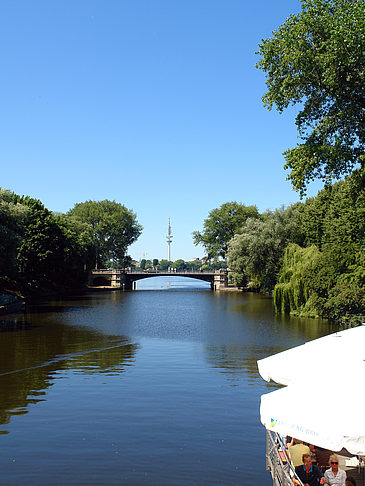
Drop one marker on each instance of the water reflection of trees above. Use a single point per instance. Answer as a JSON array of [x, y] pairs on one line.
[[237, 360], [30, 356]]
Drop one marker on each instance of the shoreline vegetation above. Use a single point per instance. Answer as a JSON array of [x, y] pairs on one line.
[[309, 256]]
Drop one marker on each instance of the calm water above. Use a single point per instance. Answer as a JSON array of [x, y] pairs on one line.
[[153, 387]]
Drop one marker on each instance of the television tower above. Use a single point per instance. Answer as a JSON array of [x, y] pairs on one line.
[[168, 239]]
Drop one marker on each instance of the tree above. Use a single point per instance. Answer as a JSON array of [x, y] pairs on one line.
[[79, 254], [164, 264], [148, 264], [294, 293], [179, 264], [327, 279], [256, 253], [44, 252], [317, 59], [155, 262], [114, 228], [193, 265], [221, 225], [13, 216], [41, 252]]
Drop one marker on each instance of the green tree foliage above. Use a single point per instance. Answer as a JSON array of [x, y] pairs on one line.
[[293, 292], [336, 216], [13, 216], [179, 265], [42, 252], [331, 272], [164, 264], [255, 254], [221, 225], [195, 265], [317, 59], [53, 253], [345, 299], [79, 250], [311, 285], [155, 262], [114, 228], [148, 264]]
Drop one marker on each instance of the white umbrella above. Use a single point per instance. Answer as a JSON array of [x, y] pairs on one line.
[[331, 416], [343, 351]]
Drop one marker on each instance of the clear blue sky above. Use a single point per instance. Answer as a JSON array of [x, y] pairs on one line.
[[155, 104]]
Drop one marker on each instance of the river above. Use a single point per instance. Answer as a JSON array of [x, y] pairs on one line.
[[153, 387]]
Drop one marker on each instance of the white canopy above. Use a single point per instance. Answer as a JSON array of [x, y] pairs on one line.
[[344, 351], [331, 416], [324, 403]]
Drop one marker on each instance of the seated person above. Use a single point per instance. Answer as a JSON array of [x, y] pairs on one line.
[[350, 481], [334, 476], [308, 473], [296, 452]]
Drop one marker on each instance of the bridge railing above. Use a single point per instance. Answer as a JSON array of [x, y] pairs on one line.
[[104, 271]]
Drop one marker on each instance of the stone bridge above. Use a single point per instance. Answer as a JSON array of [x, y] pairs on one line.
[[126, 279]]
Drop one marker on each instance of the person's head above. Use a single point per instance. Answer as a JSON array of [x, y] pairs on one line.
[[333, 461], [307, 460]]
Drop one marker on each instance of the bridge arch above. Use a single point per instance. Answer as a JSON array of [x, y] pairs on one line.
[[172, 278]]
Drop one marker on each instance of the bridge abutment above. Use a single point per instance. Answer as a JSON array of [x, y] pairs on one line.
[[220, 281]]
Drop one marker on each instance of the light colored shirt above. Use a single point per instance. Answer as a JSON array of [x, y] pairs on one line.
[[296, 451], [338, 480]]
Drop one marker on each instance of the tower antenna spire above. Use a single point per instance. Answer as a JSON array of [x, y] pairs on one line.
[[169, 240]]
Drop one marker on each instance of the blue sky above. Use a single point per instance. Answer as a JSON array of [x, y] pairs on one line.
[[155, 104]]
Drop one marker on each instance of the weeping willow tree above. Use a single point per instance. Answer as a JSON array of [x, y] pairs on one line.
[[292, 295]]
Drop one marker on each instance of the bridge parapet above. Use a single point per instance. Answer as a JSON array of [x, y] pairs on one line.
[[126, 278]]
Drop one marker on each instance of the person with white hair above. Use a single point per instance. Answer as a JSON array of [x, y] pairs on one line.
[[335, 476]]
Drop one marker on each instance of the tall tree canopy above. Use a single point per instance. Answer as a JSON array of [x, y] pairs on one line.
[[13, 218], [221, 225], [328, 277], [317, 59], [114, 228], [40, 251], [255, 254]]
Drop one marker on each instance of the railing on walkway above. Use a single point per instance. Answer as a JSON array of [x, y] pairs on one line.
[[277, 461]]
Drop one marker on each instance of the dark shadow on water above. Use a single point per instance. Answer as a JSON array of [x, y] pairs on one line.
[[54, 309], [35, 349], [15, 325]]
